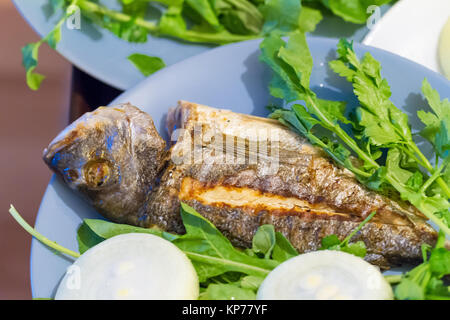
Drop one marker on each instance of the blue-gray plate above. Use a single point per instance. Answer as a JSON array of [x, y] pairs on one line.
[[229, 77]]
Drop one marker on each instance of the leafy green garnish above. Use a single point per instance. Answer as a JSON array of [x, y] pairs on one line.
[[281, 16], [309, 18], [376, 127], [202, 21], [425, 281], [40, 237], [145, 64], [30, 52], [264, 240], [354, 10], [358, 248], [222, 269], [437, 123]]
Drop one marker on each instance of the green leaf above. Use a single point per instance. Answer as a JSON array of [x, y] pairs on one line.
[[354, 10], [239, 16], [409, 290], [29, 61], [87, 238], [264, 240], [147, 65], [393, 161], [251, 282], [437, 124], [436, 290], [281, 16], [440, 262], [227, 292], [283, 249], [330, 241], [54, 37], [171, 22], [128, 31], [106, 229], [285, 82], [296, 54], [212, 253], [357, 248], [309, 18], [204, 9]]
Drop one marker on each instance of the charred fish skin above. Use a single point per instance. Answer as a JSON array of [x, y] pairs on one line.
[[305, 196], [112, 156], [307, 199]]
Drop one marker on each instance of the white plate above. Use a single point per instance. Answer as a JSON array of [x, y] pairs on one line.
[[411, 29], [229, 77]]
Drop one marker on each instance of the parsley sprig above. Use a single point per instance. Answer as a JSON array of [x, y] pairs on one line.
[[380, 136]]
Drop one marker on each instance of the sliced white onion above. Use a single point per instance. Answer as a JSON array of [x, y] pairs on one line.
[[325, 275], [444, 49], [131, 266]]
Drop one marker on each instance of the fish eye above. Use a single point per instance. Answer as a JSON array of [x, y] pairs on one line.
[[97, 172]]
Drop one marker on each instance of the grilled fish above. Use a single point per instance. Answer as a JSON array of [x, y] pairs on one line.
[[238, 171]]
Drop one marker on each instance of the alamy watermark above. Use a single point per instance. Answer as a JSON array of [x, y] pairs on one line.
[[204, 144], [73, 20]]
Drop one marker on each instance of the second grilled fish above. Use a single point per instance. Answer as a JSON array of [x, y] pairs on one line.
[[238, 171]]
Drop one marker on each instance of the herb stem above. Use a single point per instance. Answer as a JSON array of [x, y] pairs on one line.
[[39, 236], [116, 15], [431, 179], [430, 168], [350, 236], [393, 279], [153, 28], [365, 157], [241, 267]]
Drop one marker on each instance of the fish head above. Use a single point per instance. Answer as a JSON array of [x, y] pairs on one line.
[[113, 156]]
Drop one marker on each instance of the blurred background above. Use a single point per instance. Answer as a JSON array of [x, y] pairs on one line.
[[28, 122]]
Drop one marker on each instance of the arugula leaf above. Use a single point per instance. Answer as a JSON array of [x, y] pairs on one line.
[[264, 240], [281, 16], [251, 282], [239, 16], [354, 10], [212, 253], [205, 10], [86, 238], [283, 249], [309, 18], [147, 65], [225, 291]]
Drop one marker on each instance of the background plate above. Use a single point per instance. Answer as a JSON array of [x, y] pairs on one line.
[[229, 77], [102, 55], [411, 29]]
